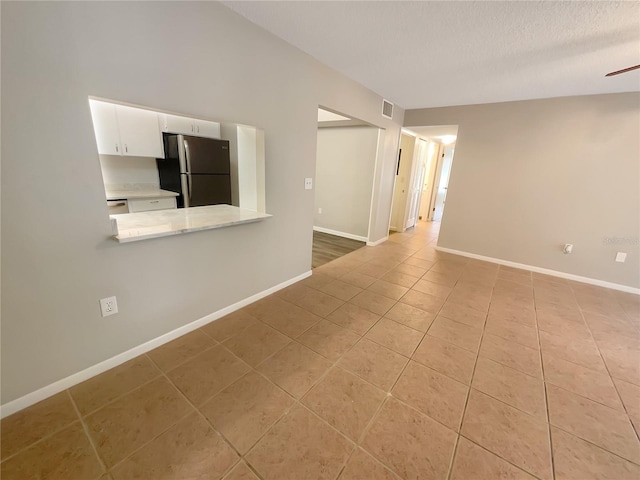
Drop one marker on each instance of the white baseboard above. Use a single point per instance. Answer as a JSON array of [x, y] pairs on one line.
[[340, 234], [68, 382], [546, 271], [378, 242]]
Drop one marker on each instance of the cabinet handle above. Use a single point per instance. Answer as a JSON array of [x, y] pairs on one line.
[[191, 128], [198, 128], [154, 201], [126, 148], [117, 148]]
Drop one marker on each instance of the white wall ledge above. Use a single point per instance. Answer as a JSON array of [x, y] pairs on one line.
[[132, 227]]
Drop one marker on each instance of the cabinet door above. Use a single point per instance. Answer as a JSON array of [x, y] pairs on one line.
[[105, 126], [139, 132], [207, 129], [177, 124]]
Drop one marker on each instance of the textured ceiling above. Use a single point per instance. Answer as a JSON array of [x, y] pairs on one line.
[[427, 54]]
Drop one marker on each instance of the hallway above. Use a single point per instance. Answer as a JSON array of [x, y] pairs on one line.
[[395, 361]]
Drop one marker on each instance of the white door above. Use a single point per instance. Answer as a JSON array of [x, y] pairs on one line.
[[416, 183], [402, 183], [428, 182], [443, 183]]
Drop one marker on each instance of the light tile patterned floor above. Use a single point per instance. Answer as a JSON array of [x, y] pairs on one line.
[[391, 362]]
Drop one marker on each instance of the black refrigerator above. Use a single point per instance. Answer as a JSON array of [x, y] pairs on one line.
[[197, 168]]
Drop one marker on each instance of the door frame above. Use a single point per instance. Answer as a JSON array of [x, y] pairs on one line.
[[418, 171]]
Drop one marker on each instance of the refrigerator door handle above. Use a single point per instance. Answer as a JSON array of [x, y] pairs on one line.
[[185, 181], [186, 151], [181, 154]]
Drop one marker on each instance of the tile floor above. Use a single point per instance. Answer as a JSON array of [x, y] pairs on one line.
[[391, 362]]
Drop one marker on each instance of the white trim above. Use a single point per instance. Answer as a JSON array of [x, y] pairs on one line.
[[378, 242], [340, 234], [68, 382], [375, 181], [546, 271]]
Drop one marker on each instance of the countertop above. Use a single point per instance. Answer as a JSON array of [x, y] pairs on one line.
[[121, 192], [131, 227]]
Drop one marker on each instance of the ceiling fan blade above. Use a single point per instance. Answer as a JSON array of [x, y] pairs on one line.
[[624, 70]]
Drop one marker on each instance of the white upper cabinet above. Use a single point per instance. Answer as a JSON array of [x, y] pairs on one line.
[[176, 124], [139, 132], [204, 128], [189, 126], [105, 125], [128, 131]]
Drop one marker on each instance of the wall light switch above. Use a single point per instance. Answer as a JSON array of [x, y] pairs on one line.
[[320, 210], [308, 183], [621, 257]]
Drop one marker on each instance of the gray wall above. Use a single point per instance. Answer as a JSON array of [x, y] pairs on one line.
[[196, 58], [530, 176], [345, 165]]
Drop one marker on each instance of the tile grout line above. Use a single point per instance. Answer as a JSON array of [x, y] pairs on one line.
[[164, 375], [85, 428], [298, 401], [80, 415], [589, 399], [388, 394], [40, 440], [368, 428], [423, 336], [197, 410], [466, 402], [501, 458], [636, 463], [333, 366], [633, 428], [544, 388]]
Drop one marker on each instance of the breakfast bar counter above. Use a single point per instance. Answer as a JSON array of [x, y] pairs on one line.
[[132, 227]]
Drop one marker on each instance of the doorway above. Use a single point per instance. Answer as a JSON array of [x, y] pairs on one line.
[[428, 183], [346, 156], [417, 179], [418, 175], [402, 182], [442, 183]]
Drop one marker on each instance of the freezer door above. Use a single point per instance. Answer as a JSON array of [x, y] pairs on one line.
[[206, 155], [206, 190]]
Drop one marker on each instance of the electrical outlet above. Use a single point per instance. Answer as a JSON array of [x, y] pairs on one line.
[[319, 210], [621, 257], [108, 306], [308, 183]]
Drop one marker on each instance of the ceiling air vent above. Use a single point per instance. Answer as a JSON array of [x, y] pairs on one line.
[[387, 109]]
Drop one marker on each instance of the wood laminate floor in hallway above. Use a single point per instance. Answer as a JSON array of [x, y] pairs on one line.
[[327, 248], [391, 362]]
